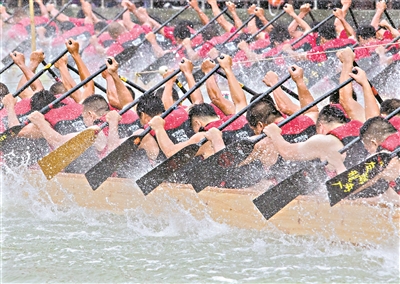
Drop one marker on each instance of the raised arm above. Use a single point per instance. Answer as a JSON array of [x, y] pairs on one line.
[[167, 98], [195, 6], [214, 92], [67, 79], [232, 9], [166, 145], [305, 96], [290, 11], [124, 96], [157, 49], [43, 9], [126, 17], [186, 67], [111, 90], [19, 60], [113, 140], [283, 102], [191, 53], [73, 48], [237, 94], [392, 30], [304, 10], [251, 26], [371, 105], [227, 26], [340, 15], [380, 9], [353, 109], [9, 104]]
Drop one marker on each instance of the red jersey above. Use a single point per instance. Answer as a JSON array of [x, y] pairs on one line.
[[125, 40], [320, 53]]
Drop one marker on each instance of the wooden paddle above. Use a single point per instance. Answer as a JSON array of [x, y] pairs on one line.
[[57, 160], [226, 163], [272, 201], [169, 57], [349, 181], [13, 131], [155, 177], [26, 43], [306, 180], [104, 169]]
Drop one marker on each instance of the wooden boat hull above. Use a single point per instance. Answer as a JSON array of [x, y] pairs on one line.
[[348, 221]]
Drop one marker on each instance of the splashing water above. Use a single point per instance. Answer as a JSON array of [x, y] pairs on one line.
[[43, 242]]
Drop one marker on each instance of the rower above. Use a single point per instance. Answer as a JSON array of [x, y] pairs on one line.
[[378, 134], [389, 106]]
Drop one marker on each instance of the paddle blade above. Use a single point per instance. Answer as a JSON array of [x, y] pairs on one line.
[[155, 177], [349, 181], [9, 134], [276, 198], [216, 166], [64, 155], [107, 166]]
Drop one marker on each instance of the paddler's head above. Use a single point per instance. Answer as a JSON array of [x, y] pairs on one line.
[[365, 33], [148, 107], [261, 114], [115, 30], [94, 107], [3, 91], [200, 115], [374, 131], [330, 117], [389, 106], [182, 31]]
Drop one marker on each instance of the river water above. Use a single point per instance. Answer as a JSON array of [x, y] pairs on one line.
[[43, 242]]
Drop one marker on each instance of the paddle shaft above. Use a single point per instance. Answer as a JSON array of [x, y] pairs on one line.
[[40, 73], [181, 99], [99, 15], [52, 73], [166, 23], [304, 109], [243, 110], [266, 26], [104, 29], [58, 13], [130, 83], [254, 93], [132, 104], [312, 30], [389, 19], [203, 28], [353, 17], [6, 67], [349, 145], [311, 16], [100, 87], [239, 29]]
